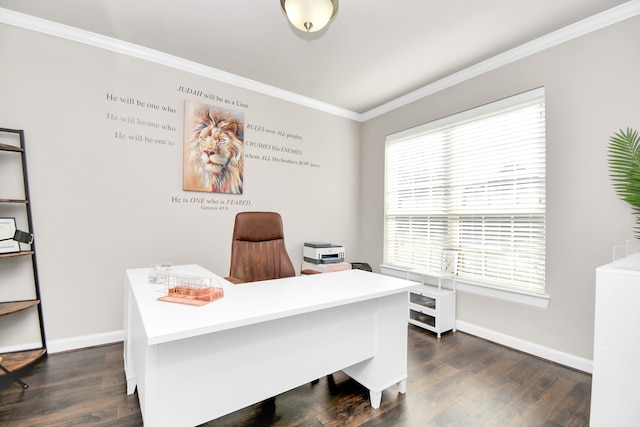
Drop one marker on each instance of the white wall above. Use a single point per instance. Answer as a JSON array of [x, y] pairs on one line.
[[102, 204], [592, 90]]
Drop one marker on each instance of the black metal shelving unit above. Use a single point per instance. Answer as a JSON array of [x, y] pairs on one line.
[[12, 362]]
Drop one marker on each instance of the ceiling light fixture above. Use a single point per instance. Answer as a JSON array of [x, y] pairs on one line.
[[309, 15]]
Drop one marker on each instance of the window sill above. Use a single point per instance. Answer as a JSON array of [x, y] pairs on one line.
[[521, 297]]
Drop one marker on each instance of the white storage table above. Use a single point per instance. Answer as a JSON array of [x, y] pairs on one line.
[[616, 373], [194, 364], [432, 304]]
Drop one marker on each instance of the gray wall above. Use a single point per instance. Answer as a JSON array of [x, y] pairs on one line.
[[120, 196], [102, 204], [592, 90]]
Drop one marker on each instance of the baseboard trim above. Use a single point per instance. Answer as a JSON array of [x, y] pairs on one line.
[[556, 356], [76, 343], [537, 350]]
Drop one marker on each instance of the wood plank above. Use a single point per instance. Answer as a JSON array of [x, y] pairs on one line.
[[13, 201], [20, 359], [16, 254], [15, 306], [7, 147], [457, 380]]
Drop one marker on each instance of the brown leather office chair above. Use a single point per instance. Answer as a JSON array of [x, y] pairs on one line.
[[257, 250]]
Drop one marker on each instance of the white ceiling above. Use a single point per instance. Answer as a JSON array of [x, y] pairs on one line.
[[371, 53]]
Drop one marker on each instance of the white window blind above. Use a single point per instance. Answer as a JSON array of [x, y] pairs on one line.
[[473, 183]]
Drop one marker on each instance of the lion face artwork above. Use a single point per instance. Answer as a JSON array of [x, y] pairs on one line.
[[214, 151]]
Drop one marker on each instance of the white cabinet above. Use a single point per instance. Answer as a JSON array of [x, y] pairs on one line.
[[432, 304], [616, 372]]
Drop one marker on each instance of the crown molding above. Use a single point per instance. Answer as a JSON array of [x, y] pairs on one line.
[[55, 29], [609, 17]]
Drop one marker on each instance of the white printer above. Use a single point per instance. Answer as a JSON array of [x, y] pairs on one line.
[[322, 253]]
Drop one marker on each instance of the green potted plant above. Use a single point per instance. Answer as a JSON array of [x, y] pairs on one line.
[[624, 167]]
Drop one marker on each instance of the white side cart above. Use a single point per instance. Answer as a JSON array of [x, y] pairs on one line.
[[432, 303]]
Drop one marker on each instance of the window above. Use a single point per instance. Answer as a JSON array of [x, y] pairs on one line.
[[474, 183]]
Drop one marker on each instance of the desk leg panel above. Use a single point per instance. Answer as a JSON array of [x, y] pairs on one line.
[[205, 377], [129, 370], [141, 365], [389, 367]]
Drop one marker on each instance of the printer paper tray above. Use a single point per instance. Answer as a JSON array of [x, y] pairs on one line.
[[324, 260]]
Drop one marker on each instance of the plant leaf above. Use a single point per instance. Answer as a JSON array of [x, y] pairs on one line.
[[624, 169]]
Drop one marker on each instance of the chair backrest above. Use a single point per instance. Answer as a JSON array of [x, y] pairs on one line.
[[258, 251]]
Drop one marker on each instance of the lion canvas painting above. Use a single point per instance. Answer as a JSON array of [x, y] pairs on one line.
[[213, 149]]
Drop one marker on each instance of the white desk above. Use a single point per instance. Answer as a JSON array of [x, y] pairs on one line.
[[193, 364]]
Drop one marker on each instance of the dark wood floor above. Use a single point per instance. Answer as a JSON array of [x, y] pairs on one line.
[[459, 380]]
